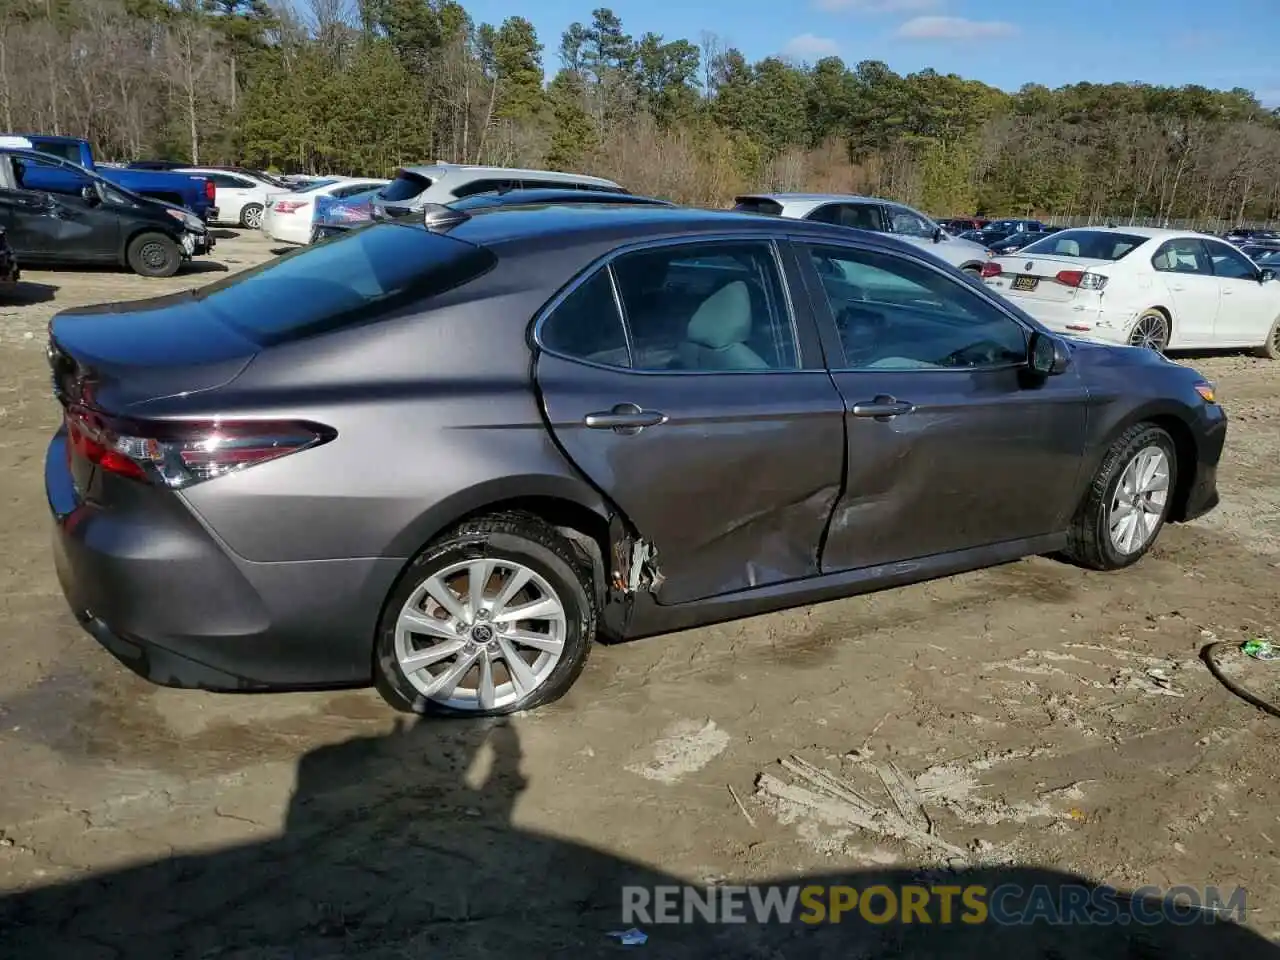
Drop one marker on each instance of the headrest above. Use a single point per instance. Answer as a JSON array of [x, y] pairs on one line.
[[724, 318]]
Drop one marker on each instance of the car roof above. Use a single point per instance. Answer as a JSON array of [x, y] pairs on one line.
[[440, 170], [1151, 233], [593, 223], [510, 198], [814, 198]]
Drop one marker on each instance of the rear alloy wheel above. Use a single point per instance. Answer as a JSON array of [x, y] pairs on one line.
[[1151, 331], [495, 617], [154, 255], [1270, 349], [251, 216], [1128, 501]]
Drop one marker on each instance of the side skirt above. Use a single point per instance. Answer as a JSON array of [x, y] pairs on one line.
[[649, 618]]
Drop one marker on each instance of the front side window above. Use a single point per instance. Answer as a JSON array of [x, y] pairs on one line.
[[706, 307], [895, 314], [909, 223], [1185, 255], [1230, 264]]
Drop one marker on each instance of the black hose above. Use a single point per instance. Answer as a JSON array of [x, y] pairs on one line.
[[1206, 654]]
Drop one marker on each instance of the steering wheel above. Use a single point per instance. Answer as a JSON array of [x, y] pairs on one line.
[[982, 353]]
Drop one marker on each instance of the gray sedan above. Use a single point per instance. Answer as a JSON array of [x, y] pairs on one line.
[[445, 461]]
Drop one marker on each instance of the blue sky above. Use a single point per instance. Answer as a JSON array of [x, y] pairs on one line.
[[1220, 43]]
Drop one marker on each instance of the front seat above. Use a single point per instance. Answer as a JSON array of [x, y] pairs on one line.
[[716, 338]]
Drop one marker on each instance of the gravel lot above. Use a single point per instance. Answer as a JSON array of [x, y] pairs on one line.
[[1053, 722]]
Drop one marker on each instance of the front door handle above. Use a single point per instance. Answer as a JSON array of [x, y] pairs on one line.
[[624, 418], [882, 408]]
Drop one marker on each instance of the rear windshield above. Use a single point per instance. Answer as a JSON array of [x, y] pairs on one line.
[[1087, 244], [758, 205], [355, 278], [405, 186]]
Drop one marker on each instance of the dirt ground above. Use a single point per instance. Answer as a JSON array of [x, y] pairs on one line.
[[1052, 723]]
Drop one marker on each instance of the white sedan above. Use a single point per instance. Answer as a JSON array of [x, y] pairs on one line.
[[1162, 289], [289, 214], [241, 198]]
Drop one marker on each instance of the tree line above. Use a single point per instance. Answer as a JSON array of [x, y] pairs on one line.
[[363, 86]]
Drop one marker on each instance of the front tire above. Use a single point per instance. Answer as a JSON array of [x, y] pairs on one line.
[[496, 616], [1128, 501], [153, 255], [1271, 349], [251, 216]]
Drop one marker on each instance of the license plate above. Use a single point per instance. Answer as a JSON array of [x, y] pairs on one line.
[[188, 244], [1024, 282]]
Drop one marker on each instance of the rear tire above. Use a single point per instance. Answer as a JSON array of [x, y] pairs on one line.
[[154, 255], [1271, 349], [1101, 536], [1152, 330], [251, 216], [468, 655]]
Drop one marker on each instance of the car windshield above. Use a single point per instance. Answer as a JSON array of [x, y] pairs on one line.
[[311, 185], [1086, 244], [353, 279]]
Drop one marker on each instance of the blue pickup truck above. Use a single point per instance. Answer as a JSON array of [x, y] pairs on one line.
[[184, 190]]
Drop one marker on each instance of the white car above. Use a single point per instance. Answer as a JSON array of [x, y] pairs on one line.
[[241, 198], [289, 213], [870, 213], [1161, 289]]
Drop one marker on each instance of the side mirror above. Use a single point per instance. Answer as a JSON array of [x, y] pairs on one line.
[[89, 194], [938, 234], [1266, 275], [1047, 356]]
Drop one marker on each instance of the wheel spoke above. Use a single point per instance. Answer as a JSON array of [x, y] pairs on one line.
[[430, 655], [485, 692], [544, 608], [477, 577], [442, 686], [1119, 512], [515, 583], [439, 591], [522, 677], [539, 641], [416, 621]]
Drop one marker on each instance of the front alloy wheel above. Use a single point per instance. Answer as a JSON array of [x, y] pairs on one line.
[[1140, 499]]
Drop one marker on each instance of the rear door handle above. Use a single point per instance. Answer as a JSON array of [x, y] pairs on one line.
[[624, 418], [882, 408]]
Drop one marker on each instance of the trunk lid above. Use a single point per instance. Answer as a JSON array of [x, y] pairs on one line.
[[1035, 276], [118, 355]]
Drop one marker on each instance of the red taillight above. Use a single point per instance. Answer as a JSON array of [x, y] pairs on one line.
[[210, 191], [1070, 278], [289, 206], [991, 269], [178, 453]]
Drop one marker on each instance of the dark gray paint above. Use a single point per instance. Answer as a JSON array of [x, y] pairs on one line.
[[760, 491]]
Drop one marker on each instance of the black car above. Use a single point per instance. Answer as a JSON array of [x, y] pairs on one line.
[[445, 460], [999, 231], [1016, 241], [100, 223]]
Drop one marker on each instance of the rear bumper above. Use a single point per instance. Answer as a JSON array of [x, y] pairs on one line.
[[164, 596], [1078, 319]]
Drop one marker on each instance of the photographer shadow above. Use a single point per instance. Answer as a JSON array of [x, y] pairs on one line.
[[404, 846]]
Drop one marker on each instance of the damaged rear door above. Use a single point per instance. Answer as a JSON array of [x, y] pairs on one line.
[[678, 380]]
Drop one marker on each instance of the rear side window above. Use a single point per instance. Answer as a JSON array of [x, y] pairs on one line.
[[763, 205], [350, 280], [587, 325], [405, 186], [485, 186]]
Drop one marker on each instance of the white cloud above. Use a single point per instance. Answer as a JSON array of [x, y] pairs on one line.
[[877, 6], [953, 28], [808, 47]]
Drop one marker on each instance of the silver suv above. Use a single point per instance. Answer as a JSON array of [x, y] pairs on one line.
[[415, 189], [870, 213]]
